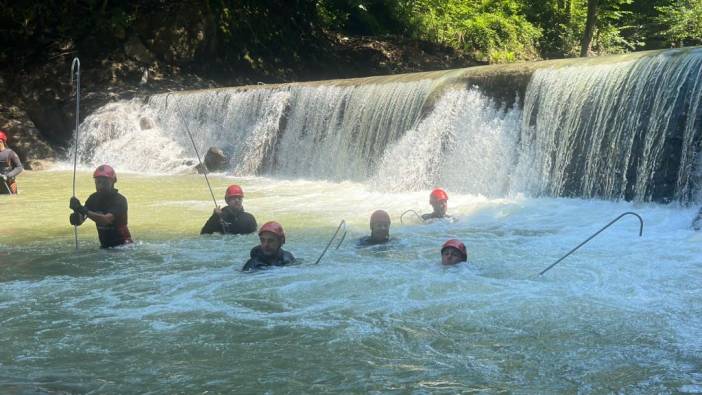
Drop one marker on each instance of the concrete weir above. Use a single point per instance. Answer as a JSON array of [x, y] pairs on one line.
[[617, 127]]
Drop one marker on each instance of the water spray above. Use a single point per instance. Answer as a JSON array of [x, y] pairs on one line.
[[342, 223], [75, 69], [591, 237]]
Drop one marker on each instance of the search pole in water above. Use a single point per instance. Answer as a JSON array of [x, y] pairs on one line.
[[202, 165], [75, 69]]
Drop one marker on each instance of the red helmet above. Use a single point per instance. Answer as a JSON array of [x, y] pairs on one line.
[[233, 191], [379, 216], [457, 244], [105, 171], [3, 136], [275, 228], [438, 194]]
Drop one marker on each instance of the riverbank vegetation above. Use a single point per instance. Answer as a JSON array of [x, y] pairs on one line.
[[133, 48]]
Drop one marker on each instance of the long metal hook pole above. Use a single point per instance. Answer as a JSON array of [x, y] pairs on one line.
[[593, 236], [342, 223], [202, 165], [75, 68], [411, 211]]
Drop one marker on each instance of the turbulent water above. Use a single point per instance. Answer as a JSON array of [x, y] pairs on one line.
[[174, 314]]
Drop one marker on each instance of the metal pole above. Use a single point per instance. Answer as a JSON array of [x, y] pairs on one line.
[[591, 237], [411, 211], [75, 68], [342, 223]]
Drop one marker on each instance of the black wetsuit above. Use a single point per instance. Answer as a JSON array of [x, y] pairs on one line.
[[434, 216], [10, 166], [259, 261], [368, 241], [114, 203], [235, 222]]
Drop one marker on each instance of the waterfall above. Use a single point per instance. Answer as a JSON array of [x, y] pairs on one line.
[[626, 130], [614, 128]]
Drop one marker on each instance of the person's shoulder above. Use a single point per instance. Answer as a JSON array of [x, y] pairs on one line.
[[364, 241], [287, 257]]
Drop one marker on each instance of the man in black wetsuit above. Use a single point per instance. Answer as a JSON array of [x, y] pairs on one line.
[[269, 252], [453, 252], [10, 167], [439, 202], [106, 207], [232, 218], [380, 229]]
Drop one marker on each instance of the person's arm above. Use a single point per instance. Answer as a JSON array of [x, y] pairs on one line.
[[213, 224], [100, 219], [251, 225], [17, 166]]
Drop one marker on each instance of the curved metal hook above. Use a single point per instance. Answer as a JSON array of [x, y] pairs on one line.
[[598, 232], [412, 211]]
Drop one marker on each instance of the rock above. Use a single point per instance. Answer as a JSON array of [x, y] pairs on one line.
[[215, 160], [146, 123], [136, 50], [38, 164], [697, 222], [23, 136]]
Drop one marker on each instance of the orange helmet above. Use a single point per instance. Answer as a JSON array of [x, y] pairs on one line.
[[379, 216], [105, 171], [275, 228], [438, 194], [233, 191], [457, 244]]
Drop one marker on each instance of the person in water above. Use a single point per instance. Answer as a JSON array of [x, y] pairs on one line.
[[453, 252], [697, 222], [232, 218], [10, 167], [439, 202], [106, 207], [380, 229], [270, 251]]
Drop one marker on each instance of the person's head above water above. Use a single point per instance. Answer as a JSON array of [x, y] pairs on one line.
[[380, 226], [234, 197], [439, 202], [105, 178], [453, 252], [272, 237]]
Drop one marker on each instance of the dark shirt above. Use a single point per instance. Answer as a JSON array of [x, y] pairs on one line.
[[10, 164], [113, 203], [259, 261], [235, 222], [432, 215], [368, 241]]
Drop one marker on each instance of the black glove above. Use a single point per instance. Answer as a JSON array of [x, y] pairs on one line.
[[77, 207], [75, 219]]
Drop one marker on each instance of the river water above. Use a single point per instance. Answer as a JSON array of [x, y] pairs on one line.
[[173, 313]]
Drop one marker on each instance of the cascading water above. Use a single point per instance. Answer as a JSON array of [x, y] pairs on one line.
[[620, 130], [627, 130]]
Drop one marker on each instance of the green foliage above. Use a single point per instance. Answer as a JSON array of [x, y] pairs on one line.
[[682, 21]]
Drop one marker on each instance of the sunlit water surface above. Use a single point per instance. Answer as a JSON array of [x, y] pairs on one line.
[[173, 313]]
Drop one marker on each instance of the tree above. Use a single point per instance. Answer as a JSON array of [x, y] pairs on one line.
[[590, 25]]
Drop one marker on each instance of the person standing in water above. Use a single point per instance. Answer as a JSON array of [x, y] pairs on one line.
[[232, 218], [270, 251], [380, 229], [453, 252], [439, 202], [697, 222], [10, 167], [106, 207]]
